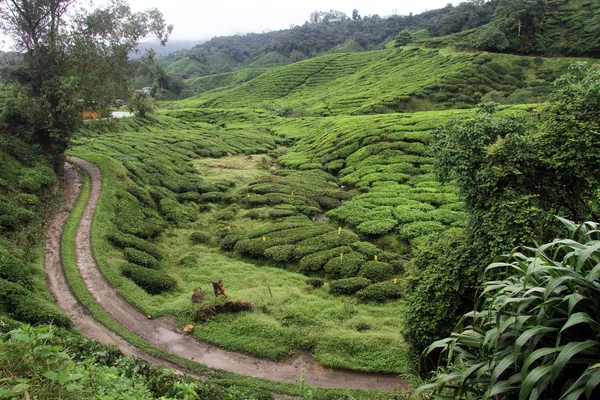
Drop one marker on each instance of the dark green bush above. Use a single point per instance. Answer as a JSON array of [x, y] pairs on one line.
[[14, 270], [252, 247], [153, 282], [346, 266], [211, 197], [33, 179], [348, 286], [140, 258], [315, 262], [189, 197], [280, 253], [315, 283], [26, 306], [377, 271], [175, 212], [131, 217], [198, 237], [380, 292], [123, 240]]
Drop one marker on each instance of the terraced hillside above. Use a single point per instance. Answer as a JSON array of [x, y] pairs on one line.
[[393, 80]]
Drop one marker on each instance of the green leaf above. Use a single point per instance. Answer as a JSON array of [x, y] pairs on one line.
[[580, 318], [587, 253], [532, 379], [570, 350], [501, 367], [536, 355], [592, 383], [528, 334]]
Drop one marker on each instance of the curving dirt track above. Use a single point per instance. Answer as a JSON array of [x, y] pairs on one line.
[[160, 332]]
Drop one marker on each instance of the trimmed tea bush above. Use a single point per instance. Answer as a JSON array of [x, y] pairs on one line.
[[346, 266], [153, 282], [315, 283], [140, 258], [348, 286], [376, 271], [380, 292], [123, 240], [198, 237]]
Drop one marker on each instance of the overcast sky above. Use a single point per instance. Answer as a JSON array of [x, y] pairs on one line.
[[198, 19]]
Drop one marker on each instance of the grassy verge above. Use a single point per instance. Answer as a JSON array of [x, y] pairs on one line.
[[84, 297]]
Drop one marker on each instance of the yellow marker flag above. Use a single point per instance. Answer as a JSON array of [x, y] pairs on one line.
[[229, 228], [248, 194], [376, 258], [264, 238], [341, 256], [395, 281], [340, 229]]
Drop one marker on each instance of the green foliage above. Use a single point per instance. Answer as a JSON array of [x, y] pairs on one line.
[[141, 258], [152, 281], [198, 237], [513, 174], [132, 218], [380, 292], [403, 38], [439, 286], [123, 240], [346, 266], [491, 38], [14, 270], [377, 271], [348, 286], [23, 305], [175, 212], [315, 283], [543, 325]]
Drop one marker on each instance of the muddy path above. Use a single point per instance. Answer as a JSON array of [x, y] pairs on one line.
[[163, 334], [59, 286]]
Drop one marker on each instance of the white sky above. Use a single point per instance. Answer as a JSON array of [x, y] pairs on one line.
[[194, 19]]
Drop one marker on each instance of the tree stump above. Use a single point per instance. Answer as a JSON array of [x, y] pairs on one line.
[[218, 287], [198, 296]]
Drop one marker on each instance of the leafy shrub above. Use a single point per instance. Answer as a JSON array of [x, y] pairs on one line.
[[123, 240], [33, 179], [346, 266], [544, 323], [131, 217], [378, 227], [153, 282], [315, 262], [282, 253], [252, 247], [348, 286], [189, 197], [26, 306], [380, 292], [190, 260], [14, 270], [140, 258], [376, 271], [212, 197], [419, 228], [175, 212], [440, 286], [315, 283], [198, 237]]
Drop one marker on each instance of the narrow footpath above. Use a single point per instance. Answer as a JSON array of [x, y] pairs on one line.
[[160, 332]]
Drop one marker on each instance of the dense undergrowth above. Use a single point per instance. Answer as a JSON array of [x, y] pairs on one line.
[[27, 190]]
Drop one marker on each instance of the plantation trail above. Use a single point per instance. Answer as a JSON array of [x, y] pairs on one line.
[[160, 332]]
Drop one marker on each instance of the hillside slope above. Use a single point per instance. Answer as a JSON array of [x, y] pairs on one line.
[[393, 80]]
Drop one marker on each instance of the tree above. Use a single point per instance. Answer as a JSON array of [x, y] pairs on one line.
[[73, 60], [403, 38], [491, 38], [514, 14], [355, 15], [141, 104]]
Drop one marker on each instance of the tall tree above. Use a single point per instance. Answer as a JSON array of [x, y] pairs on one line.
[[73, 60]]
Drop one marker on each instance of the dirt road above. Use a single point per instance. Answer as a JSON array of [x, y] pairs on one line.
[[160, 332]]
